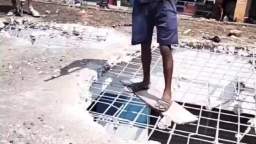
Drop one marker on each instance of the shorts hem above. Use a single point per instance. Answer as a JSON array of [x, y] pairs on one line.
[[168, 42]]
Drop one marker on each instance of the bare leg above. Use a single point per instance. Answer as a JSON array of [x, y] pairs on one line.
[[166, 53], [30, 6], [14, 3], [32, 10], [221, 14], [14, 8], [146, 61]]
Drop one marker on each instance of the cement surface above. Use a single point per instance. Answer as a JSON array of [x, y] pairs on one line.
[[44, 84]]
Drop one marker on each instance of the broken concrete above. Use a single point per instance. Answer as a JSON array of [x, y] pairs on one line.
[[54, 110], [236, 33], [44, 86]]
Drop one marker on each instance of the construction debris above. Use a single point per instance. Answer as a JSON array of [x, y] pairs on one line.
[[32, 39], [236, 33], [48, 12], [2, 25], [214, 39], [75, 32], [72, 65], [176, 114], [187, 31], [120, 25], [9, 21]]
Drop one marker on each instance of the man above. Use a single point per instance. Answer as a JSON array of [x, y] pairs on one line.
[[227, 9], [31, 9], [163, 15]]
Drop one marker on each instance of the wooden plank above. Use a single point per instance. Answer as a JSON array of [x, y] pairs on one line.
[[242, 10], [176, 113]]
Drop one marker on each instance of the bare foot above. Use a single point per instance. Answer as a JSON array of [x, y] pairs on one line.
[[164, 103], [12, 12], [167, 96], [33, 12], [135, 87]]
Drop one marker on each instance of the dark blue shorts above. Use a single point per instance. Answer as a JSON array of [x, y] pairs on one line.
[[162, 14]]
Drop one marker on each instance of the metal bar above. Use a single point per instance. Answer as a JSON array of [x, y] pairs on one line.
[[195, 87], [218, 127]]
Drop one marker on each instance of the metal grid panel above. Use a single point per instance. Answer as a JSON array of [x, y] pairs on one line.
[[218, 88]]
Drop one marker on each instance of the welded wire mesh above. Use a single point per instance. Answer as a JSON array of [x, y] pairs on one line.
[[218, 88]]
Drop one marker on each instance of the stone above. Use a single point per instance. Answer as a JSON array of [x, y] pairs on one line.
[[10, 67], [187, 31], [57, 11], [32, 39], [214, 39], [61, 128], [243, 53], [252, 62], [43, 16], [9, 21], [25, 21], [83, 11], [32, 124], [252, 37], [230, 49], [2, 25], [78, 5], [226, 19], [76, 33], [236, 33], [18, 21], [47, 12]]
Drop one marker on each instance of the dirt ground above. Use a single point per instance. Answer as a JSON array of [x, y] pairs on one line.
[[33, 110], [188, 27]]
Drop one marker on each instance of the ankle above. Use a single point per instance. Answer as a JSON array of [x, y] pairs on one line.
[[145, 82], [168, 91], [30, 8]]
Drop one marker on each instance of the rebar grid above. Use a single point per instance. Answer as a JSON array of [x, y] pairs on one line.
[[200, 78]]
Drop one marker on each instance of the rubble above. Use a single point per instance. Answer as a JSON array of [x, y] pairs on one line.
[[75, 32], [214, 39], [2, 25], [10, 67], [18, 21], [32, 39], [236, 33], [122, 25], [56, 38], [187, 31], [57, 11], [48, 12], [246, 51], [9, 21]]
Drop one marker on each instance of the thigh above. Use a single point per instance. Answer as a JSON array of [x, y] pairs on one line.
[[142, 24], [166, 22]]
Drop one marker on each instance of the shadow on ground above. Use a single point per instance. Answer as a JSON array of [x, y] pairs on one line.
[[4, 9], [78, 65]]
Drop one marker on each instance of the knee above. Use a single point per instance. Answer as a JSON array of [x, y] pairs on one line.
[[146, 44], [165, 49]]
